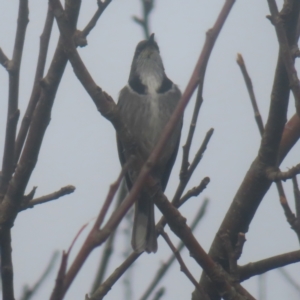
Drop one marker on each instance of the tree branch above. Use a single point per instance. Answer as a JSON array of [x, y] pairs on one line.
[[255, 183], [108, 248], [69, 189], [166, 265], [13, 112], [183, 267], [274, 174], [144, 23], [285, 51], [4, 60], [36, 90], [249, 86], [101, 7], [7, 274], [28, 292], [268, 264]]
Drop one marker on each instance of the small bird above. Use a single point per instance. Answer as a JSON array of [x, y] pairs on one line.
[[146, 104]]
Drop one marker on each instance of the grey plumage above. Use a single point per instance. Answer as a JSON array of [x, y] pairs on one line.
[[146, 105]]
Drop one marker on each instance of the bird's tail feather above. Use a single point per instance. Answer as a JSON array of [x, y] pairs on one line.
[[144, 234]]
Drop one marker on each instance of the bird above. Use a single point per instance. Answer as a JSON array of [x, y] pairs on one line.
[[146, 104]]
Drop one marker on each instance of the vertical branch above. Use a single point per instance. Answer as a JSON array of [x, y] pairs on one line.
[[44, 43], [7, 267], [13, 69], [144, 23]]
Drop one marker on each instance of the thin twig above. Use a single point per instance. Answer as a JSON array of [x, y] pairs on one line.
[[53, 196], [160, 292], [102, 5], [144, 22], [195, 191], [29, 292], [96, 236], [185, 177], [108, 248], [296, 196], [4, 60], [289, 279], [183, 267], [114, 277], [274, 174], [111, 194], [57, 293], [249, 86]]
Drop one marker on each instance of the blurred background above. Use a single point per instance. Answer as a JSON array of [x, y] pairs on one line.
[[79, 147]]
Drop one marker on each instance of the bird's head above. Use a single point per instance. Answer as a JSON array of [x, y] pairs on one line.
[[147, 64]]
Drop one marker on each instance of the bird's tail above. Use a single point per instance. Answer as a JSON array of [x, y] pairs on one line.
[[144, 234]]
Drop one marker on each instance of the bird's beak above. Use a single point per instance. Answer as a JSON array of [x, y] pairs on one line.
[[151, 39]]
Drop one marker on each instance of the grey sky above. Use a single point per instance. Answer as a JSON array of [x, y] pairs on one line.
[[79, 147]]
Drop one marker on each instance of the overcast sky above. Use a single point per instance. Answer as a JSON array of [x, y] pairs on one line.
[[79, 147]]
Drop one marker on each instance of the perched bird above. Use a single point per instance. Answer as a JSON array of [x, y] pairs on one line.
[[146, 104]]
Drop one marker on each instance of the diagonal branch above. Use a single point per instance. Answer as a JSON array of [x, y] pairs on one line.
[[28, 293], [101, 7], [183, 266], [249, 86]]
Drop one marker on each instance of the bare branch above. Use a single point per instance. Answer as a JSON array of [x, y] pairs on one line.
[[112, 191], [101, 7], [57, 293], [108, 248], [144, 23], [28, 292], [7, 266], [296, 196], [36, 90], [186, 175], [274, 174], [14, 195], [96, 237], [268, 264], [114, 277], [159, 293], [69, 189], [285, 51], [183, 267], [4, 60], [13, 98], [194, 192], [289, 278], [249, 85]]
